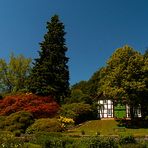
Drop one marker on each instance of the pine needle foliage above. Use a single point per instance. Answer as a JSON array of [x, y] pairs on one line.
[[50, 74]]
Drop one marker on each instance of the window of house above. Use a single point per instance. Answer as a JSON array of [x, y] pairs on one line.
[[109, 112]]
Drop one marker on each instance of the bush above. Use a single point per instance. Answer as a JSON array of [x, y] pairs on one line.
[[66, 122], [79, 112], [2, 124], [127, 139], [146, 118], [82, 132], [52, 140], [134, 146], [101, 142], [8, 140], [39, 106], [46, 125], [17, 122], [17, 133], [59, 141]]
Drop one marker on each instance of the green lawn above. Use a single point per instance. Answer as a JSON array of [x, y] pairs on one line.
[[106, 127], [30, 145]]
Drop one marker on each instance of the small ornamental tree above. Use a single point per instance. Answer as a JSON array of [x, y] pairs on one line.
[[39, 106], [50, 74]]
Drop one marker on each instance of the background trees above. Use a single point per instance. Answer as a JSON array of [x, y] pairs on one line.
[[79, 112], [13, 75], [50, 74], [145, 94], [86, 91]]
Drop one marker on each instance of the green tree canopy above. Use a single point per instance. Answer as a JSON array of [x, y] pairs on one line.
[[50, 74], [14, 74], [125, 76], [91, 86], [86, 91]]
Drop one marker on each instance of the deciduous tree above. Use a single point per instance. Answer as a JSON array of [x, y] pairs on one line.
[[125, 77], [13, 75]]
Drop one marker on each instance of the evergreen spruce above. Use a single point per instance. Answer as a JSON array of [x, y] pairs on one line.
[[50, 74]]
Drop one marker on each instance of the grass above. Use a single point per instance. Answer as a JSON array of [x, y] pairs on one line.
[[30, 145], [105, 127]]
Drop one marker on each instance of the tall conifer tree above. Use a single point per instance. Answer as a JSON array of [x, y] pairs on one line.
[[50, 74]]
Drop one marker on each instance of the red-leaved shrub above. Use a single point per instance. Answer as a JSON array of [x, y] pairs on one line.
[[39, 106]]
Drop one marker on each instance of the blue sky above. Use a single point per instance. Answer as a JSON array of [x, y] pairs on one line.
[[95, 28]]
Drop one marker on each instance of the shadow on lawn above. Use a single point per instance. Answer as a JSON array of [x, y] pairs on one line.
[[132, 124]]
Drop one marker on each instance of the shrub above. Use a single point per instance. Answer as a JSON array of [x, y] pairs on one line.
[[82, 132], [79, 112], [46, 125], [127, 139], [39, 106], [8, 140], [52, 140], [57, 140], [66, 122], [17, 122], [131, 145], [2, 119], [146, 118], [17, 133], [94, 142]]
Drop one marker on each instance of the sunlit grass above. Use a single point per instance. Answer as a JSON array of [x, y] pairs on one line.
[[30, 145], [105, 127]]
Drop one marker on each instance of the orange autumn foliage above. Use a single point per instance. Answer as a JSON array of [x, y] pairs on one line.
[[39, 106]]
